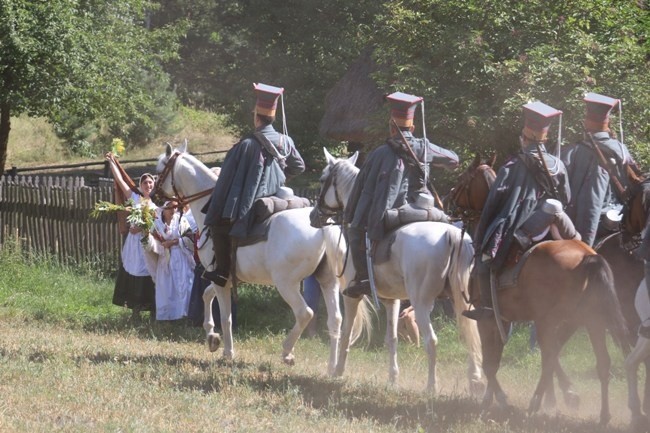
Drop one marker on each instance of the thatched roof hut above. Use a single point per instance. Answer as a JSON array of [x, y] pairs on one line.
[[354, 105]]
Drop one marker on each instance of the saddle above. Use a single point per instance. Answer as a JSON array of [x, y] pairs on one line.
[[263, 209], [509, 274]]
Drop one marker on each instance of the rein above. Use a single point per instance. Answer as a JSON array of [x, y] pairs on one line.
[[322, 207], [326, 212], [466, 213], [178, 197]]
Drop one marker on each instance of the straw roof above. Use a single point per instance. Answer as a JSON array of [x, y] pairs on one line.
[[354, 104]]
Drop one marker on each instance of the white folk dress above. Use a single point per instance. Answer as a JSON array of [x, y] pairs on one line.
[[132, 251], [174, 272]]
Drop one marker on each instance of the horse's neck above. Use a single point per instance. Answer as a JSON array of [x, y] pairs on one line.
[[189, 184]]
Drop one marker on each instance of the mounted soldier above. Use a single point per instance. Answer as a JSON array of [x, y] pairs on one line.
[[600, 169], [257, 166], [393, 175], [525, 202]]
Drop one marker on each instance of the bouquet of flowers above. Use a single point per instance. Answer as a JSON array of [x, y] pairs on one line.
[[139, 216]]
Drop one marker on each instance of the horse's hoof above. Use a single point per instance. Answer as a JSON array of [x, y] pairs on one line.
[[572, 400], [289, 359], [535, 404], [214, 341]]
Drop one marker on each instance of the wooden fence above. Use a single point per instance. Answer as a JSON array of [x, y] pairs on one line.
[[51, 215]]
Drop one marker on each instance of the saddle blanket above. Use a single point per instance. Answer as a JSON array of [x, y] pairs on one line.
[[263, 208]]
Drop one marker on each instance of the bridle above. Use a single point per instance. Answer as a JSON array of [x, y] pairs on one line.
[[180, 199], [467, 214], [325, 212]]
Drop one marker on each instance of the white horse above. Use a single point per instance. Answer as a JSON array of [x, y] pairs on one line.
[[424, 256], [293, 251], [639, 354]]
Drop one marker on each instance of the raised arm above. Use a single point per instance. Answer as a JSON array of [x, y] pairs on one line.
[[117, 176]]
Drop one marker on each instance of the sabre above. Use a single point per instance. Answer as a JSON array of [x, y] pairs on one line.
[[371, 272]]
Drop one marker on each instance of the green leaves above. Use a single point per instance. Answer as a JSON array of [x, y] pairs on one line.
[[479, 61]]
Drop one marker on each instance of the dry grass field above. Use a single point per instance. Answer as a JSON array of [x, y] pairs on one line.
[[70, 361]]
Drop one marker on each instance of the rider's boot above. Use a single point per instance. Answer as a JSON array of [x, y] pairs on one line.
[[484, 309], [221, 246], [360, 285]]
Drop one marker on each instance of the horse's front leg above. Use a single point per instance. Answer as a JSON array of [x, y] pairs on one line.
[[224, 297], [549, 349], [597, 335], [213, 339], [571, 398], [639, 353], [330, 290], [492, 350], [422, 314], [392, 314], [290, 292], [351, 308]]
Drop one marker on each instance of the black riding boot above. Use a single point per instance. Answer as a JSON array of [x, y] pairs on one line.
[[221, 245], [360, 285], [484, 309]]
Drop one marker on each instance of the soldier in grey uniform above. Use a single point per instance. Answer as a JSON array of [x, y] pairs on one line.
[[531, 184], [388, 179], [597, 169], [257, 166]]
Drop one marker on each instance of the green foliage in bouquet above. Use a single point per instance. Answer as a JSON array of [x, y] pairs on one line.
[[139, 216]]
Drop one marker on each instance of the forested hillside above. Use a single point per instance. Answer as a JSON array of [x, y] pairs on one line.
[[100, 70]]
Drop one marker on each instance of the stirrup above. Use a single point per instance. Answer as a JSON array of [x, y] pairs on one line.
[[214, 277], [358, 289], [480, 313]]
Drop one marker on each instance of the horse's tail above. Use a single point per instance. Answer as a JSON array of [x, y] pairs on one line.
[[460, 266], [335, 254], [602, 293]]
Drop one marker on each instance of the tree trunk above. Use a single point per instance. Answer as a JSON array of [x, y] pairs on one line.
[[5, 127]]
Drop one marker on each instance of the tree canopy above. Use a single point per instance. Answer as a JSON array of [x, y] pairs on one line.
[[474, 61], [477, 62], [86, 58]]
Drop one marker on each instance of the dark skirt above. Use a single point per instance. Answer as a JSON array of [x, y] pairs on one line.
[[137, 293], [196, 308]]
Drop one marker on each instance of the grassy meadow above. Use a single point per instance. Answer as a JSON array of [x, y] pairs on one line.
[[70, 361], [32, 141]]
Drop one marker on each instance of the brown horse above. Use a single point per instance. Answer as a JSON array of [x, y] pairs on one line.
[[563, 285]]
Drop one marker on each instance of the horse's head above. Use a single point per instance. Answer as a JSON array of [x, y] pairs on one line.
[[467, 198], [635, 211], [164, 188], [335, 185], [176, 170]]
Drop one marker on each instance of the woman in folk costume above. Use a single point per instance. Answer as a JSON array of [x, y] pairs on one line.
[[524, 203], [134, 287], [257, 166], [598, 168], [174, 273]]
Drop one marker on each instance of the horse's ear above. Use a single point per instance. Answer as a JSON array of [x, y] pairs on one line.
[[168, 150], [328, 156], [493, 159], [183, 147], [353, 158]]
